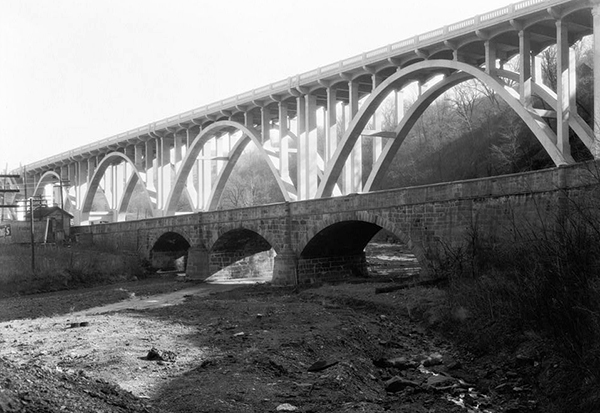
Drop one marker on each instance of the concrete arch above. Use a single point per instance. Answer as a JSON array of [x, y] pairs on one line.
[[366, 217], [380, 167], [110, 159], [44, 180], [129, 188], [535, 123], [249, 134]]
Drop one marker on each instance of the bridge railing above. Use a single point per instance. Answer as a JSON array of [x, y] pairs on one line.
[[282, 86]]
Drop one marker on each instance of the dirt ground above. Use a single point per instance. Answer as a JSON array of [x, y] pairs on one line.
[[248, 348]]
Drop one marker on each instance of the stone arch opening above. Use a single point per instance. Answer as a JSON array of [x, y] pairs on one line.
[[353, 248], [241, 254], [170, 252]]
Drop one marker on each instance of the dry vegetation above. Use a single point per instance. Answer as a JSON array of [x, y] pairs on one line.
[[59, 268]]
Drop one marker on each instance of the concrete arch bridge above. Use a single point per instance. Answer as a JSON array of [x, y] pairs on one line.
[[310, 128]]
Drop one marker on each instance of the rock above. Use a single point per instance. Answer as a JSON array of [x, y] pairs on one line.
[[161, 355], [440, 380], [9, 403], [396, 383], [286, 407], [432, 360], [322, 365]]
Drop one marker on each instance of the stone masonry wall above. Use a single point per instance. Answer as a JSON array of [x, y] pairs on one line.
[[330, 269], [430, 219]]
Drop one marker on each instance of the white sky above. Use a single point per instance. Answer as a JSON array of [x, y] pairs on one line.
[[78, 71]]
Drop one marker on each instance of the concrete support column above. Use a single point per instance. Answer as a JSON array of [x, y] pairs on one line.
[[525, 63], [300, 130], [307, 150], [311, 150], [249, 119], [265, 124], [91, 168], [208, 167], [399, 102], [165, 170], [120, 183], [564, 87], [331, 137], [377, 122], [536, 70], [129, 151], [107, 185], [284, 143], [490, 57], [178, 153], [222, 148], [596, 19], [138, 156], [70, 186], [353, 173], [82, 182], [150, 167]]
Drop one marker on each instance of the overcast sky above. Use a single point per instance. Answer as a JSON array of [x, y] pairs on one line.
[[77, 71]]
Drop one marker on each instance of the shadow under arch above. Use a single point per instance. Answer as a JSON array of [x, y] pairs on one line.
[[364, 218], [249, 134], [112, 158], [336, 247], [239, 246], [170, 251], [535, 123]]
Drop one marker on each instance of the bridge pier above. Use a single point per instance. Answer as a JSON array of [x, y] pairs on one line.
[[198, 263], [285, 268]]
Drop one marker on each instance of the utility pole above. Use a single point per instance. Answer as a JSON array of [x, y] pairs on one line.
[[32, 237]]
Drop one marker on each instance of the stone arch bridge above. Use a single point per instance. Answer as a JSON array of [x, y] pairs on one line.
[[324, 239]]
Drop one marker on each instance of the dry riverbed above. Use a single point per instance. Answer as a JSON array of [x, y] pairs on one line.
[[252, 348]]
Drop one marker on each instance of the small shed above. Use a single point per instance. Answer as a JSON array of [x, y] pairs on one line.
[[58, 222]]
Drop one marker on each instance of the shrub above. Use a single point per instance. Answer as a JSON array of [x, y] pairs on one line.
[[546, 282]]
